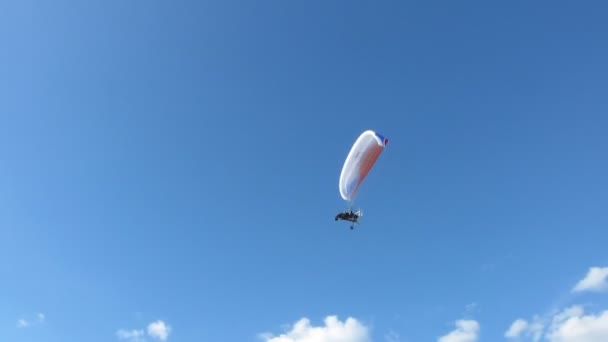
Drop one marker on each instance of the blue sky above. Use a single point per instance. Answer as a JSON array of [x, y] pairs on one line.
[[169, 171]]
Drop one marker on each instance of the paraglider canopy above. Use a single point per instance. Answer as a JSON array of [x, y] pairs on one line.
[[360, 160]]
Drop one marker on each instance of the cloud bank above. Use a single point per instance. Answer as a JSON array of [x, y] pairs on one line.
[[571, 324], [568, 325]]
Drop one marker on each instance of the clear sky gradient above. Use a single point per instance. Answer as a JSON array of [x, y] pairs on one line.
[[178, 161]]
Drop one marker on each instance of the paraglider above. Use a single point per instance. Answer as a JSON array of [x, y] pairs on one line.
[[363, 155]]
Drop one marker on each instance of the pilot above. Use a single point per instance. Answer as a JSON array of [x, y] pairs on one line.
[[348, 215]]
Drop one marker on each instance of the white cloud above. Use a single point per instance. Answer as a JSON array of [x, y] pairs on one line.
[[392, 336], [22, 323], [466, 331], [572, 325], [569, 325], [521, 328], [472, 307], [26, 323], [131, 335], [595, 280], [517, 329], [159, 330], [265, 336], [334, 330], [535, 330]]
